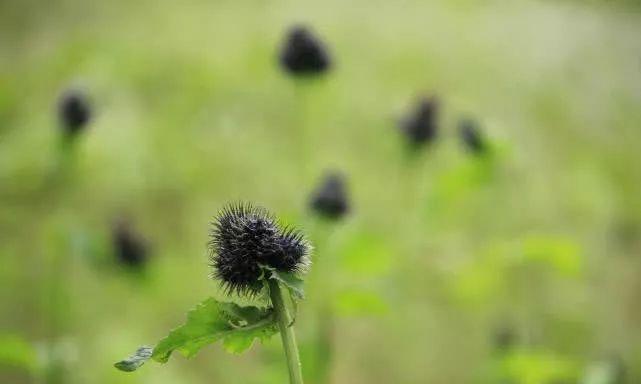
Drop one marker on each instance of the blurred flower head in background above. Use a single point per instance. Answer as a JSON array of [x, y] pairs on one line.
[[74, 111], [420, 126], [471, 136], [303, 53], [130, 247], [330, 199]]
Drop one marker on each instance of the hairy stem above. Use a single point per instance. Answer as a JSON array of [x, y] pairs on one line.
[[286, 333]]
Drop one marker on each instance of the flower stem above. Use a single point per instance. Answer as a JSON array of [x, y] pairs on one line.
[[286, 333]]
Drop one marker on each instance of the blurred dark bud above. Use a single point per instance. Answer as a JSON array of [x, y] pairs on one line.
[[330, 199], [74, 111], [504, 338], [471, 136], [130, 248], [421, 125], [303, 53]]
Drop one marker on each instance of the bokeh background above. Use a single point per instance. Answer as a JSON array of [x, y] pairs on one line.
[[519, 265]]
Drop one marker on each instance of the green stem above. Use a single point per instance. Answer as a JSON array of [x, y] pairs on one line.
[[286, 333], [325, 345]]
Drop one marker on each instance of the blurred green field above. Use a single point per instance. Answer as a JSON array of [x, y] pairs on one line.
[[441, 250]]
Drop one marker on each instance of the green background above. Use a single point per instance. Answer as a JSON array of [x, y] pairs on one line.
[[441, 249]]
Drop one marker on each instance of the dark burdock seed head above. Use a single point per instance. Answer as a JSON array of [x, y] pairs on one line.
[[74, 111], [244, 239], [330, 198], [472, 136], [303, 53], [421, 126], [130, 247]]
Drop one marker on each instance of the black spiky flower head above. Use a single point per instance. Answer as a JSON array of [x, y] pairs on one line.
[[471, 136], [303, 53], [74, 111], [247, 240], [330, 199], [421, 125]]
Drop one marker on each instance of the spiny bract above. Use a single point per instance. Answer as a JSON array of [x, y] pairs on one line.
[[303, 53], [244, 240]]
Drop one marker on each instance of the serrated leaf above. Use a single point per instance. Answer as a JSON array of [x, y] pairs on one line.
[[209, 322], [293, 283], [241, 339], [136, 360], [243, 314]]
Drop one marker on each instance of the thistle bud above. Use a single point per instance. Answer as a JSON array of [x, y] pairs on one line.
[[471, 136], [74, 112], [244, 239], [130, 248], [303, 53], [330, 199], [421, 126]]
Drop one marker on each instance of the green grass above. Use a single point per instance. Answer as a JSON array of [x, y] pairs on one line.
[[192, 111]]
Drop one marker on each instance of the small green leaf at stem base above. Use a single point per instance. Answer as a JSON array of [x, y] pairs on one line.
[[291, 281]]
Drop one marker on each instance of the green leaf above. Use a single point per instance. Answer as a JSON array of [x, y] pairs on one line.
[[211, 321], [293, 283], [241, 339], [136, 360], [257, 323]]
